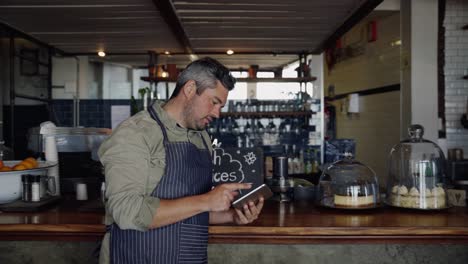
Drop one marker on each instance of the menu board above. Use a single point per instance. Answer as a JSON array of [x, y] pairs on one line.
[[233, 165]]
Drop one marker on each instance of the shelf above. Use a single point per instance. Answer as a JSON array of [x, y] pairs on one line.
[[303, 79], [158, 79], [32, 97], [267, 114]]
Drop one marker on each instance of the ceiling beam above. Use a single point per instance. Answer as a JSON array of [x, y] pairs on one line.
[[198, 53], [18, 33], [355, 18], [167, 11]]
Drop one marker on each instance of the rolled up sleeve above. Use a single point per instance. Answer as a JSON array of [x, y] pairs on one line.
[[126, 156]]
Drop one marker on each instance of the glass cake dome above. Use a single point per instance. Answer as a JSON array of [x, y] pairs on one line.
[[348, 184], [416, 176]]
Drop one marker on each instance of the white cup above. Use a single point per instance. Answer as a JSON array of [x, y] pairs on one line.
[[50, 150], [81, 192]]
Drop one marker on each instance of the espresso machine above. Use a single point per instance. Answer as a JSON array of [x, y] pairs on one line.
[[280, 184]]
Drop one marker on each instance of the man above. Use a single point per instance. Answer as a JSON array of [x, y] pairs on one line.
[[158, 169]]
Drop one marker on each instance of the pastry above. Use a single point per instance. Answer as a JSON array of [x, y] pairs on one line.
[[354, 199], [426, 199], [345, 201]]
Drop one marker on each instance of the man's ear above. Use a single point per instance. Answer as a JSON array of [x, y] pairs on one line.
[[189, 89]]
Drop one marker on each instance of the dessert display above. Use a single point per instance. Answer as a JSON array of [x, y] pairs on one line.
[[348, 184], [354, 201], [354, 198], [434, 198], [416, 176]]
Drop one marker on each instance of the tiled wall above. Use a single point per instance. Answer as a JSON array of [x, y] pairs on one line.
[[377, 127], [456, 65], [93, 113]]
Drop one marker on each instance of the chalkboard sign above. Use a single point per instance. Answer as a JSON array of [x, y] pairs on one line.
[[232, 165]]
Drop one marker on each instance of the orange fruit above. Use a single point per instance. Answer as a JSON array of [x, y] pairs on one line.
[[1, 163], [18, 167], [32, 160], [27, 164], [5, 168]]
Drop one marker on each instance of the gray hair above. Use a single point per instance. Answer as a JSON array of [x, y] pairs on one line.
[[205, 72]]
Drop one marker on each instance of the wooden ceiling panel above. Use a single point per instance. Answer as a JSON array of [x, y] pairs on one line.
[[279, 26], [88, 26], [136, 26], [49, 3]]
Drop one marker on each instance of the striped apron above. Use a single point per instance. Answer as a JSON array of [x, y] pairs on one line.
[[188, 172]]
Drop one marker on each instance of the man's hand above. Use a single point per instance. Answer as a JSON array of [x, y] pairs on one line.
[[220, 198], [249, 213]]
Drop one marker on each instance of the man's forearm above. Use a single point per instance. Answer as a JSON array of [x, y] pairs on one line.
[[172, 211], [223, 217]]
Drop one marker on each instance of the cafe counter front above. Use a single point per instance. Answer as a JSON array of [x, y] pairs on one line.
[[295, 230]]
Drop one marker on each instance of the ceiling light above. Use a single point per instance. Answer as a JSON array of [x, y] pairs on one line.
[[164, 74], [193, 57], [229, 52], [167, 52], [101, 54], [396, 43]]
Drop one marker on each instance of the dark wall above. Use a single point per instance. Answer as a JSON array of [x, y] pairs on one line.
[[25, 117], [93, 113]]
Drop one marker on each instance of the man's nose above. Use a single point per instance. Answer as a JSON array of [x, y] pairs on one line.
[[216, 111]]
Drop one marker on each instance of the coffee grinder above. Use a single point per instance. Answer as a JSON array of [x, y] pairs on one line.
[[281, 185]]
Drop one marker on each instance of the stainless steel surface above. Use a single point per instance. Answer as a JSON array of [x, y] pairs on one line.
[[280, 167], [70, 139]]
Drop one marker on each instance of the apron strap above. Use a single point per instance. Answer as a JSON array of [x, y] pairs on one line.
[[163, 129], [156, 118], [204, 142]]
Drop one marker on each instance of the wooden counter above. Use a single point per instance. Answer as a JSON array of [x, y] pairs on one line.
[[293, 223]]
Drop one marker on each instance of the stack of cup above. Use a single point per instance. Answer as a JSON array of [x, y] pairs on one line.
[[51, 154], [81, 192]]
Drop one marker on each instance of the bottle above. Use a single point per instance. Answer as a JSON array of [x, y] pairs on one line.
[[308, 167], [301, 161], [260, 127], [235, 128], [35, 188], [223, 127], [315, 164], [26, 181], [296, 164], [290, 166], [307, 163], [248, 128]]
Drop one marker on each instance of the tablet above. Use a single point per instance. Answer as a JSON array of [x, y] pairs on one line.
[[253, 196]]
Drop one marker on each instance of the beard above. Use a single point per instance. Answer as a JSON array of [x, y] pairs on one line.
[[191, 121]]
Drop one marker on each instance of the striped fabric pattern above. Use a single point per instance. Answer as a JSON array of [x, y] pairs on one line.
[[188, 172]]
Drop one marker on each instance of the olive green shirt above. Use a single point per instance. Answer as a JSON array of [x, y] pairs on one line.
[[134, 160]]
